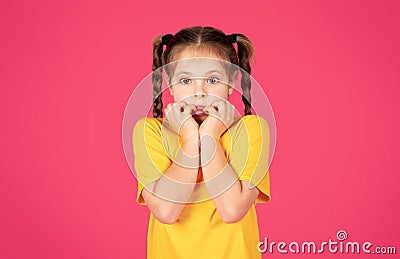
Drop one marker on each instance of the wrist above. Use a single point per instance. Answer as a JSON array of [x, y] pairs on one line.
[[214, 136], [191, 145], [208, 147], [190, 139], [188, 156]]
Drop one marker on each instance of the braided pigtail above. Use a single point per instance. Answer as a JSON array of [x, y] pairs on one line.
[[245, 53], [156, 78]]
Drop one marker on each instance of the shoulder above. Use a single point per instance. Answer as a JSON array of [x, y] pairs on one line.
[[149, 123], [147, 127], [253, 119], [251, 123]]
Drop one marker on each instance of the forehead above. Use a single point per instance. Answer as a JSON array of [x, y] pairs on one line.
[[198, 60], [199, 66]]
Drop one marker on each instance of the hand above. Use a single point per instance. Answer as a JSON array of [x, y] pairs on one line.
[[220, 118], [179, 119]]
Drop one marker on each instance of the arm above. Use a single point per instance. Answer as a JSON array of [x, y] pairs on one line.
[[232, 198], [167, 184], [235, 202], [166, 209]]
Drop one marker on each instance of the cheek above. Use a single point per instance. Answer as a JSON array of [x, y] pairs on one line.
[[179, 95], [223, 93]]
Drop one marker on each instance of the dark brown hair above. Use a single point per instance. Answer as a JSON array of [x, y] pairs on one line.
[[201, 39]]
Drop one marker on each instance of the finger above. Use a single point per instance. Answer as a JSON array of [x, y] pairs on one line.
[[177, 110], [216, 107], [168, 110], [231, 110], [180, 106], [169, 106], [210, 109], [222, 108], [220, 105], [228, 110], [188, 109]]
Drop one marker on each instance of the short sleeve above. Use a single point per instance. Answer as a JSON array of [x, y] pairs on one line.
[[250, 154], [150, 158]]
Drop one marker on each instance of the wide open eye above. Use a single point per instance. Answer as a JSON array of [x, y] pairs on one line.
[[213, 80], [185, 81]]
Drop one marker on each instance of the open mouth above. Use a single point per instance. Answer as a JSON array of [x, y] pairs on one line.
[[199, 110]]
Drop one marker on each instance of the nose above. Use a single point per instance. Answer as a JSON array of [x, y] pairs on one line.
[[199, 88]]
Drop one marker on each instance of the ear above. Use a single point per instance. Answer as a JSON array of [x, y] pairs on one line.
[[232, 86], [230, 90]]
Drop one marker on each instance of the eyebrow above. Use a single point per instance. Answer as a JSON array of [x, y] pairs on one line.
[[190, 74]]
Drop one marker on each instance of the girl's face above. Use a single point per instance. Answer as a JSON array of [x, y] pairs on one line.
[[199, 80]]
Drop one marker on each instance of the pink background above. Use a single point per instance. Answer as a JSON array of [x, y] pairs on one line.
[[329, 68]]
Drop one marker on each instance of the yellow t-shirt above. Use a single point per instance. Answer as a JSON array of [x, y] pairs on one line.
[[199, 231]]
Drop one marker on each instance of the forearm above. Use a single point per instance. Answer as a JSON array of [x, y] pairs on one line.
[[167, 196], [222, 183]]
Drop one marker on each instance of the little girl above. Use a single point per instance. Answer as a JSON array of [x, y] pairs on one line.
[[201, 170]]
